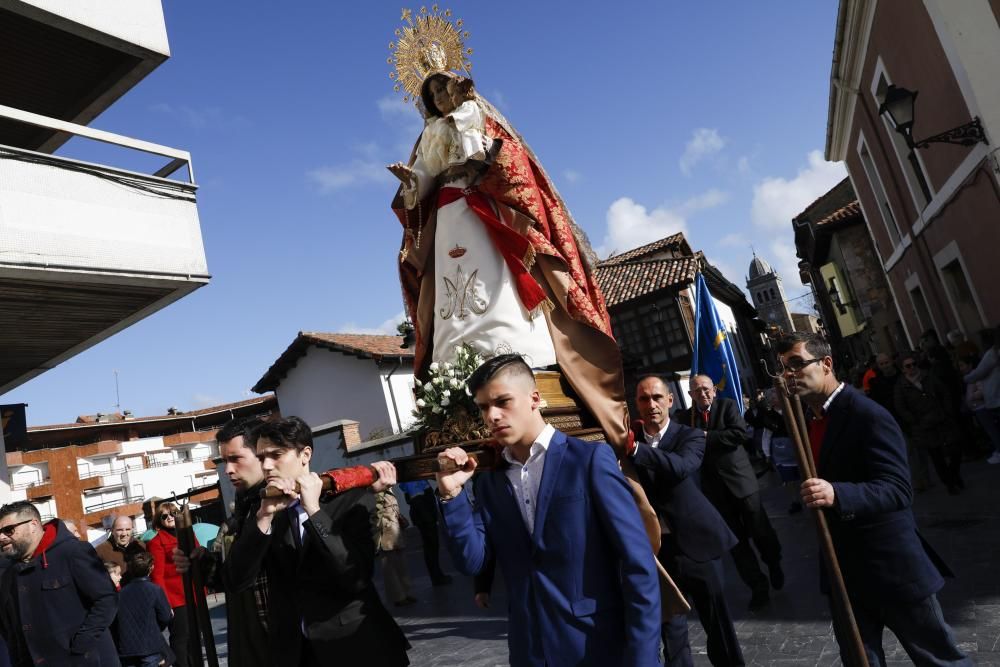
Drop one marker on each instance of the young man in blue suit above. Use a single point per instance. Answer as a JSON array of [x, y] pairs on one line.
[[560, 519], [863, 485], [667, 458]]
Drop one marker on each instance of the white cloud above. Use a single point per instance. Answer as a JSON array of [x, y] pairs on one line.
[[387, 327], [631, 224], [777, 200], [704, 142], [743, 165], [358, 172], [708, 199], [784, 261], [572, 176]]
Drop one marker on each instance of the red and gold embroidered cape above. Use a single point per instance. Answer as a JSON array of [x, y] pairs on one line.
[[526, 201]]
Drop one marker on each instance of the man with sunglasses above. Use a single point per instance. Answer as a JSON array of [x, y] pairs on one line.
[[57, 601], [892, 575]]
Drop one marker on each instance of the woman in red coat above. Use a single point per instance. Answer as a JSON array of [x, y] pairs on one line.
[[165, 575]]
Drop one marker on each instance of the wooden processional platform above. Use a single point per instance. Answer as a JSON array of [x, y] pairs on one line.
[[558, 409]]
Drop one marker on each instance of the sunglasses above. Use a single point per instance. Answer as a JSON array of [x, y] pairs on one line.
[[796, 365], [9, 530], [168, 515]]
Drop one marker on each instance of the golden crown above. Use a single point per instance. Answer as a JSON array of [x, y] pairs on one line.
[[428, 43]]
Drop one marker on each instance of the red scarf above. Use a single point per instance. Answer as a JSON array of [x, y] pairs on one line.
[[515, 249]]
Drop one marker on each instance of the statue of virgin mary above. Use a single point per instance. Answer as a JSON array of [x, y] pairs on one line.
[[490, 255]]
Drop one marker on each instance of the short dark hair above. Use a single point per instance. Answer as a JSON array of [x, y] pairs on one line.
[[654, 376], [909, 354], [111, 566], [502, 364], [140, 564], [19, 509], [815, 345], [240, 426], [290, 432]]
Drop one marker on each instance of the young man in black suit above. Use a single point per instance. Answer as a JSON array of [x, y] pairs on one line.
[[667, 458], [892, 574], [729, 481], [319, 554]]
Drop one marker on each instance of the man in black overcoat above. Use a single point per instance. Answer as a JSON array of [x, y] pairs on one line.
[[728, 480], [319, 554], [891, 574], [667, 458]]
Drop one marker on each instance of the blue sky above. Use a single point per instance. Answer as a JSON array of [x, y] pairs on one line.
[[651, 117]]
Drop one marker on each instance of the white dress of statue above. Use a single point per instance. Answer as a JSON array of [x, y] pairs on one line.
[[475, 299]]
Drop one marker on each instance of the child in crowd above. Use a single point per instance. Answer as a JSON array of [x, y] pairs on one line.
[[143, 614], [115, 572]]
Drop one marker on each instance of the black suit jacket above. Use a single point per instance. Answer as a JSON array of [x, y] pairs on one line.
[[726, 467], [327, 584], [863, 455], [668, 474]]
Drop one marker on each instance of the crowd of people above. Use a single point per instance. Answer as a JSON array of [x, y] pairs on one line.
[[558, 517]]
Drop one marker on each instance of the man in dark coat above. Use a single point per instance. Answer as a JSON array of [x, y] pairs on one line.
[[667, 458], [319, 556], [57, 601], [891, 574], [728, 480], [246, 609]]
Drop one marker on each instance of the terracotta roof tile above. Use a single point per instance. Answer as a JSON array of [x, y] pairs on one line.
[[624, 281], [851, 210], [365, 346], [649, 248]]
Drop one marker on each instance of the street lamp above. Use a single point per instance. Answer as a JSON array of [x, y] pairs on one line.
[[899, 104]]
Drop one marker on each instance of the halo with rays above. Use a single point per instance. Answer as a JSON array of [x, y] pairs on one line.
[[429, 42]]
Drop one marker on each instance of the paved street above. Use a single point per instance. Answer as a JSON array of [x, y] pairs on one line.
[[446, 629]]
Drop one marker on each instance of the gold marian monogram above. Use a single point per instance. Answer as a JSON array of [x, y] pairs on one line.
[[462, 296]]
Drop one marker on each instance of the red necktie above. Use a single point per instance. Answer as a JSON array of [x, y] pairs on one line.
[[704, 416]]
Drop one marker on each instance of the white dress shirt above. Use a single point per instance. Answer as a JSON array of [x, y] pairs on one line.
[[654, 440], [526, 477], [829, 401]]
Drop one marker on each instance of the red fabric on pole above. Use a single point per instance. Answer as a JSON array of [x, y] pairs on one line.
[[345, 479]]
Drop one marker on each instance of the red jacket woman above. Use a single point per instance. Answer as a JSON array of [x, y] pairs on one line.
[[166, 576]]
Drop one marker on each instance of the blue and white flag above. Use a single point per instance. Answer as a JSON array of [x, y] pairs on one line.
[[713, 351]]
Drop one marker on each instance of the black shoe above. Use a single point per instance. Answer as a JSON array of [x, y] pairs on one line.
[[443, 580], [777, 576], [759, 600]]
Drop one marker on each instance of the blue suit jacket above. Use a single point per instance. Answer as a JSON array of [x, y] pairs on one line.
[[864, 457], [669, 476], [583, 588]]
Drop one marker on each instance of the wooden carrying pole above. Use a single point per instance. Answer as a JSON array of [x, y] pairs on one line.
[[199, 623], [843, 615]]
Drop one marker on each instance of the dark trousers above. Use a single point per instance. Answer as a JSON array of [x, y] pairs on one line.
[[919, 626], [181, 642], [702, 583], [947, 461], [748, 520], [429, 536]]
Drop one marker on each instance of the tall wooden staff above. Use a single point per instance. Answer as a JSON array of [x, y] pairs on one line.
[[199, 623], [795, 422]]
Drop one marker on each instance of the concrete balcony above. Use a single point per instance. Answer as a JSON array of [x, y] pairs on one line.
[[87, 250]]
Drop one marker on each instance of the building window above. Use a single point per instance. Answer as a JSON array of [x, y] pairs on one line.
[[878, 191], [961, 294], [920, 309], [774, 295], [653, 332]]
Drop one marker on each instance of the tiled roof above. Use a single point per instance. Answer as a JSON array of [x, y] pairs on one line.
[[365, 346], [819, 199], [852, 210], [624, 281], [649, 248], [181, 415]]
